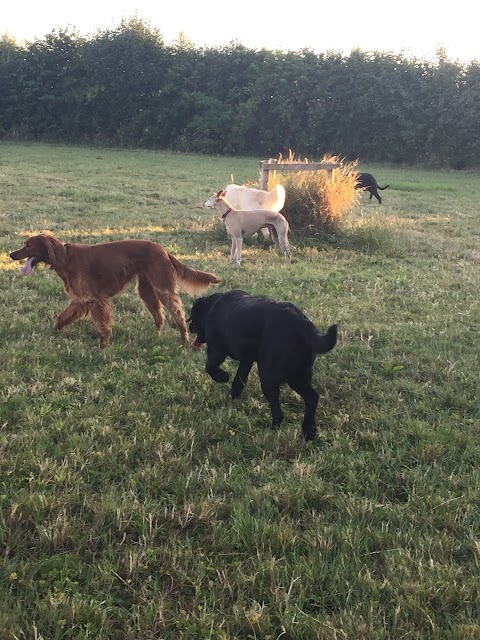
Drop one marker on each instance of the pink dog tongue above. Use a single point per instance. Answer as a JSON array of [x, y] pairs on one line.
[[196, 344], [27, 267]]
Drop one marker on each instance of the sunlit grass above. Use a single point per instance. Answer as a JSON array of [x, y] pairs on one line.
[[67, 234]]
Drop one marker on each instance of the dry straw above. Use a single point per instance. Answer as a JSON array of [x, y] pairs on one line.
[[315, 202]]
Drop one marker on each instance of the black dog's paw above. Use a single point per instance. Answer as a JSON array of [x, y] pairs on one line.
[[237, 388], [276, 421], [219, 375], [309, 431]]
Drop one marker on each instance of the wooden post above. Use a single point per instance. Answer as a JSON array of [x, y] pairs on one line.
[[290, 167], [264, 174]]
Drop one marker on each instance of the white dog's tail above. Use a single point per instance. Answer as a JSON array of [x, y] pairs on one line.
[[277, 198]]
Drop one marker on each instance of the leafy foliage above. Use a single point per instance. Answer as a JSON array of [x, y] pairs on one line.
[[124, 87]]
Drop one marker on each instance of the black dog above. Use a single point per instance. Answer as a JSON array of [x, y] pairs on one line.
[[276, 335], [368, 183]]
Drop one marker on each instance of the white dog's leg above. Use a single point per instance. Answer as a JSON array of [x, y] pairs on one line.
[[233, 250], [276, 234], [239, 250], [283, 243], [280, 237]]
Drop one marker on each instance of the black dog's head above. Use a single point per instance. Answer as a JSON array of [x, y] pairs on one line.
[[197, 322], [199, 317]]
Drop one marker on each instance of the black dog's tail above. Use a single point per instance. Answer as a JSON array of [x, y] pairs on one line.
[[382, 188], [319, 342]]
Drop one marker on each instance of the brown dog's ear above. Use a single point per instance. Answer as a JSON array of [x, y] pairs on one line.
[[57, 254]]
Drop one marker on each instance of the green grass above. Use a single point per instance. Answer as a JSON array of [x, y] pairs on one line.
[[138, 501], [420, 186]]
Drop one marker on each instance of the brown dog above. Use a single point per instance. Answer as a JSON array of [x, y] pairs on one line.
[[92, 274]]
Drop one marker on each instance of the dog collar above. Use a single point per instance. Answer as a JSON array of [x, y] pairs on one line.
[[226, 213]]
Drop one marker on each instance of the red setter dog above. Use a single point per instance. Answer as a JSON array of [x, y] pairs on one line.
[[92, 274]]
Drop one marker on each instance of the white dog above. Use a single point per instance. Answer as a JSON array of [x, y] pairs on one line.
[[242, 223], [246, 198]]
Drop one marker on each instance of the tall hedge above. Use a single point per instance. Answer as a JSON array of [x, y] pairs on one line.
[[125, 87]]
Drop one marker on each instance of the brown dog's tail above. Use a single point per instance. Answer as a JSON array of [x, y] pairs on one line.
[[192, 281]]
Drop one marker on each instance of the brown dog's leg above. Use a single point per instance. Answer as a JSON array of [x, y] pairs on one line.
[[174, 305], [153, 304], [102, 314], [74, 311]]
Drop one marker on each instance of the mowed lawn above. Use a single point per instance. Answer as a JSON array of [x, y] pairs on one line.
[[138, 501]]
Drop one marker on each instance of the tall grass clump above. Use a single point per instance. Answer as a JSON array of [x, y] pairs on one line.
[[315, 203]]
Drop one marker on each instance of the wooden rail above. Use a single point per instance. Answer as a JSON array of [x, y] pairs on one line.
[[266, 166]]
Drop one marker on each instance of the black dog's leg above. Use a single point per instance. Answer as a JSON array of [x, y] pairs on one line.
[[310, 397], [241, 377], [374, 192], [214, 360], [271, 391]]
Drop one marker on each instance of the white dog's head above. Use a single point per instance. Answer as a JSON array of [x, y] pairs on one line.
[[214, 199], [210, 203]]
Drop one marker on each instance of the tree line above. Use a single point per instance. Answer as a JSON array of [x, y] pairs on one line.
[[125, 87]]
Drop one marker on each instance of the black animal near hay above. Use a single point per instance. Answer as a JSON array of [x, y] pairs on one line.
[[367, 182]]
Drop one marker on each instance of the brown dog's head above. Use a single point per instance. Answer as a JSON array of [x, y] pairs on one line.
[[40, 248]]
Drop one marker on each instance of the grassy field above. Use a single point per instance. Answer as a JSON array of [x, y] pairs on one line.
[[137, 501]]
